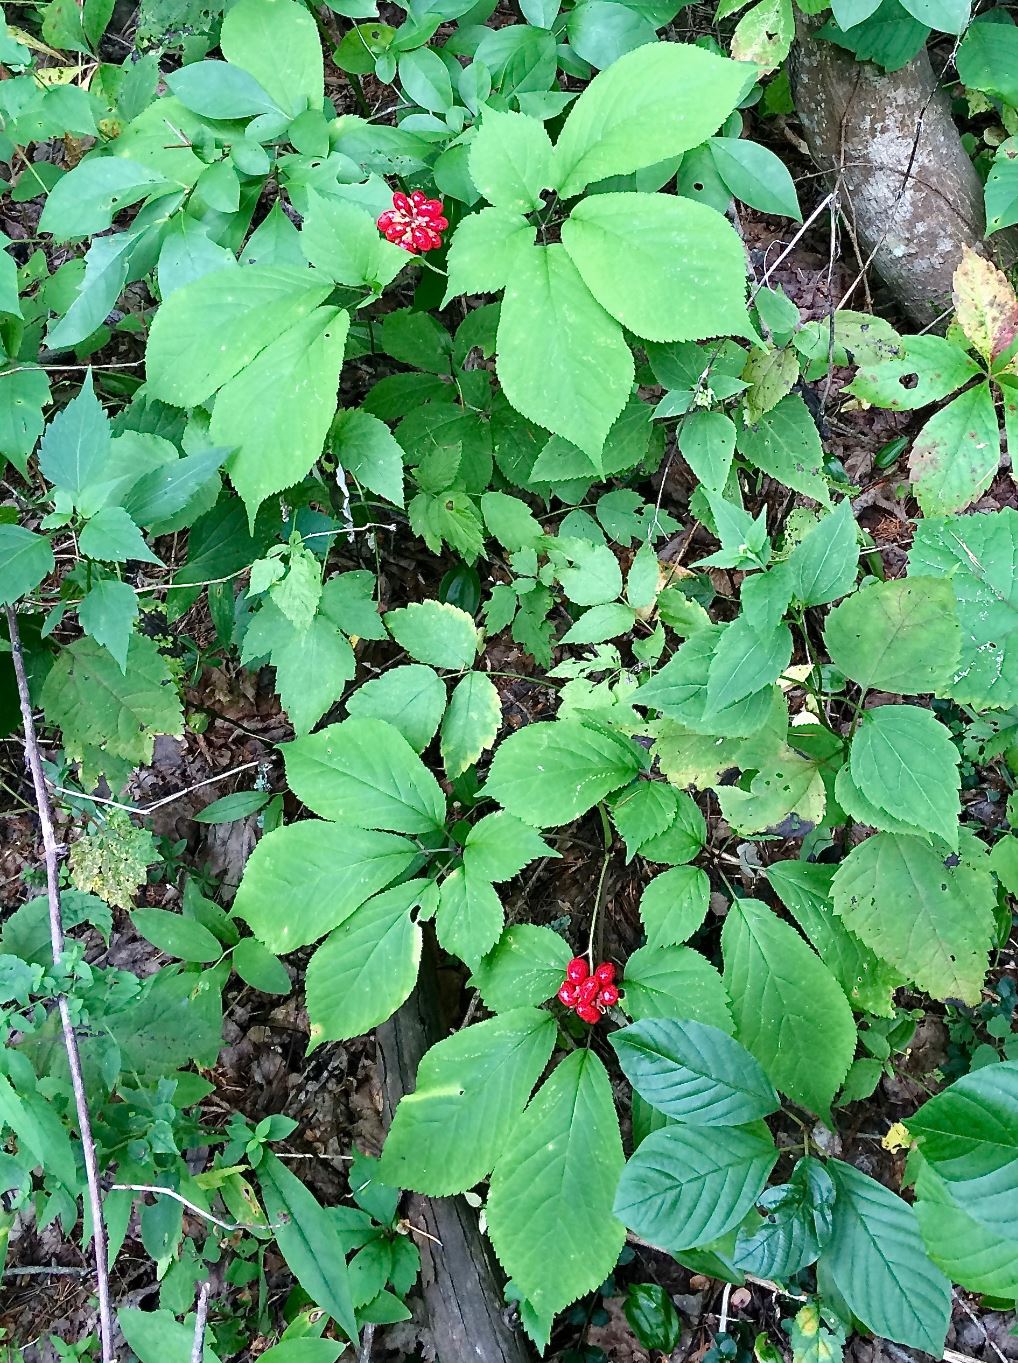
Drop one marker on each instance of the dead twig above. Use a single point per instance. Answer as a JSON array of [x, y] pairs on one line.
[[52, 856], [201, 1316]]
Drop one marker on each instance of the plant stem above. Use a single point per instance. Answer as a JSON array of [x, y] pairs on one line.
[[52, 855], [606, 833]]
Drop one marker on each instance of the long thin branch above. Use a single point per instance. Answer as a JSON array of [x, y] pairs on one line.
[[198, 1344], [52, 854]]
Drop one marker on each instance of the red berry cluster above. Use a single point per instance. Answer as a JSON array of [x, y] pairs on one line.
[[588, 994], [415, 223]]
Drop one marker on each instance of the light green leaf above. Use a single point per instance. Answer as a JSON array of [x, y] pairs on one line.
[[764, 34], [171, 933], [876, 1262], [77, 442], [411, 698], [426, 80], [365, 968], [756, 176], [933, 367], [948, 16], [277, 42], [305, 879], [694, 1073], [526, 965], [511, 521], [111, 536], [471, 723], [629, 116], [674, 905], [564, 1152], [499, 846], [957, 453], [25, 559], [311, 664], [824, 564], [86, 200], [23, 395], [900, 636], [484, 249], [464, 1113], [470, 916], [510, 160], [436, 633], [745, 661], [981, 1257], [108, 613], [550, 773], [164, 491], [308, 1240], [786, 794], [364, 772], [343, 242], [903, 760], [204, 334], [675, 982], [688, 1185], [367, 448], [786, 444], [920, 908], [988, 60], [805, 890], [789, 1010], [260, 968], [157, 1337], [668, 269], [276, 412], [642, 811], [550, 324]]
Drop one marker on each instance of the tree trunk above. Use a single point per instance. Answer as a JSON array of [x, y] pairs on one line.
[[462, 1290], [890, 147]]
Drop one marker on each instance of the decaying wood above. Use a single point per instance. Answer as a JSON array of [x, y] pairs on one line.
[[461, 1286], [889, 145]]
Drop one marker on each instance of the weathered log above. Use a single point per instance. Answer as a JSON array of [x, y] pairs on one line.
[[888, 143], [466, 1312]]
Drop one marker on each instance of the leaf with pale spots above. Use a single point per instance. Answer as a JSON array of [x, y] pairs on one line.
[[986, 304]]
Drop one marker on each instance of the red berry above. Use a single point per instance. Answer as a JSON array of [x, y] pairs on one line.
[[430, 208], [576, 970], [400, 201], [568, 994], [587, 992], [587, 1012], [605, 973], [421, 238], [385, 220], [418, 197], [608, 997], [438, 224]]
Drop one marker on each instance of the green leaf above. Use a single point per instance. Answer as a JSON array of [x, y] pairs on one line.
[[968, 1134], [365, 968], [644, 810], [957, 453], [745, 661], [484, 249], [629, 116], [674, 905], [924, 370], [470, 916], [764, 34], [112, 537], [86, 200], [342, 241], [756, 176], [648, 1308], [465, 1111], [77, 442], [688, 1185], [668, 269], [499, 846], [418, 339], [901, 636], [789, 1010], [305, 879], [311, 663], [525, 966], [307, 1239], [510, 160], [550, 773], [167, 489], [920, 908], [425, 78], [976, 556], [218, 90], [786, 444], [206, 333], [367, 448], [471, 723], [511, 521], [25, 559], [565, 1152], [903, 761], [157, 1337], [260, 968], [805, 890], [364, 772], [108, 613], [981, 1257], [277, 42], [694, 1073], [176, 936], [239, 805], [988, 59], [1001, 189], [948, 16], [876, 1262], [787, 794], [675, 982], [411, 698], [550, 323], [23, 395], [797, 1224], [436, 633], [824, 564]]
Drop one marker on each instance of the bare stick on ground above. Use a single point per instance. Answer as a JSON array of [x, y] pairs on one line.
[[56, 927]]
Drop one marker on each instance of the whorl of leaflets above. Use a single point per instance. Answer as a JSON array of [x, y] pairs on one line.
[[589, 995], [414, 222]]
